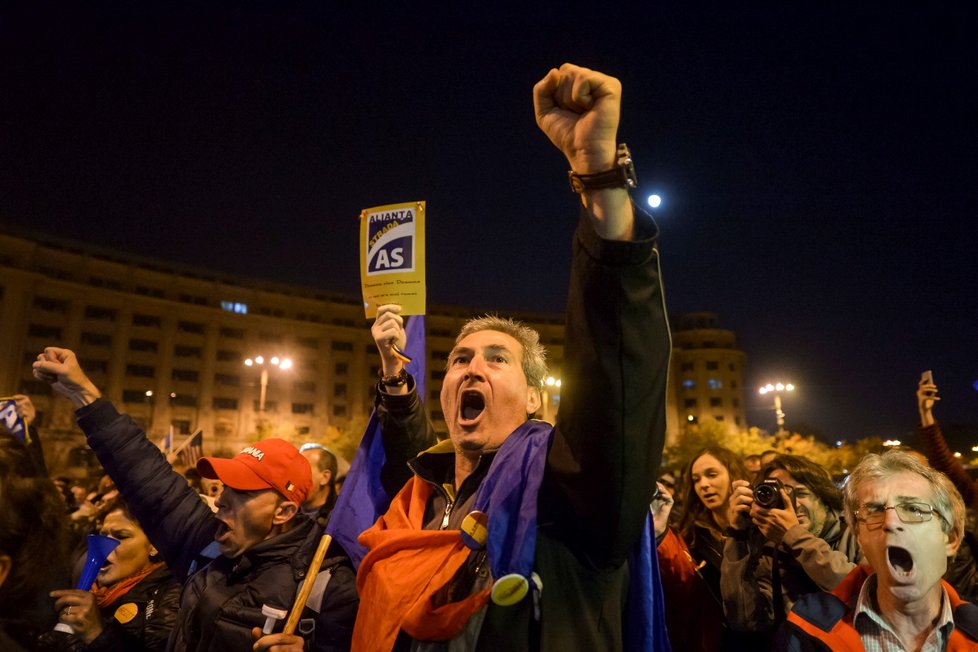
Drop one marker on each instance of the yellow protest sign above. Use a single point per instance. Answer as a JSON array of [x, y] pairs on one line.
[[392, 263]]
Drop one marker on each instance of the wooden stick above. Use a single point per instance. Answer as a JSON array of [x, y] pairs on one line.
[[311, 574]]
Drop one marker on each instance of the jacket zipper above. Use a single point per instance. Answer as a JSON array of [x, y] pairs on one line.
[[448, 513]]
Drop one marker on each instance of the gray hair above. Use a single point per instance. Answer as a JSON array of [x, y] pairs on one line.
[[947, 499], [534, 353]]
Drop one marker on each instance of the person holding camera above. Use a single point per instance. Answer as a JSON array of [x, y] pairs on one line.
[[690, 553], [787, 537]]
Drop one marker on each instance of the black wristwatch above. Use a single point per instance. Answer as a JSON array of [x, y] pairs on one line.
[[394, 380], [620, 176]]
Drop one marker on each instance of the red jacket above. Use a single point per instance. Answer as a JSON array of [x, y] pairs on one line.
[[823, 621], [694, 617]]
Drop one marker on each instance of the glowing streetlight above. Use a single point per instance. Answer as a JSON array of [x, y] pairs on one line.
[[551, 394], [152, 410], [654, 201], [281, 363], [776, 389]]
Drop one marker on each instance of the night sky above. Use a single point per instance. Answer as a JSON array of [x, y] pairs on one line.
[[818, 166]]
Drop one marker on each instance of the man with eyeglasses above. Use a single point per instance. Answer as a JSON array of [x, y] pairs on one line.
[[909, 519], [773, 555]]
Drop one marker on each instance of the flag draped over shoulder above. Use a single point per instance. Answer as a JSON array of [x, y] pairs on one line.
[[363, 498], [645, 618]]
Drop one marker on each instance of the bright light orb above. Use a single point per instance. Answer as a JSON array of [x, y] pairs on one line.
[[654, 201]]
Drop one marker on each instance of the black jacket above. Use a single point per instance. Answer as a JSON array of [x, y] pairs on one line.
[[222, 601], [139, 621]]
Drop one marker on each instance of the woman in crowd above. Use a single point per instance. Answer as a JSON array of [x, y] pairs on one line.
[[134, 602], [689, 559]]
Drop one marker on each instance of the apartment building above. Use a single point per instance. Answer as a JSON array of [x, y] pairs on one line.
[[707, 373], [168, 344]]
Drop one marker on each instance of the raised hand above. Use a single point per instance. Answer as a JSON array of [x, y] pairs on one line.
[[579, 109], [926, 397], [388, 329], [60, 369]]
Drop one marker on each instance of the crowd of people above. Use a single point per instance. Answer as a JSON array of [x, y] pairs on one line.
[[512, 533]]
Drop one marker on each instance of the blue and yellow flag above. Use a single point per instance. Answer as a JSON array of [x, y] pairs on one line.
[[363, 498]]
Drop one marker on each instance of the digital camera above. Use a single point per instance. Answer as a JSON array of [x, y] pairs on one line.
[[767, 494]]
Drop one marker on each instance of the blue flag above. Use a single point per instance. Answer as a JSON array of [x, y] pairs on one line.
[[363, 499], [11, 422], [645, 618]]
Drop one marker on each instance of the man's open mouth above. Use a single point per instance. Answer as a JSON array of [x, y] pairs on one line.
[[473, 403], [900, 560], [222, 531]]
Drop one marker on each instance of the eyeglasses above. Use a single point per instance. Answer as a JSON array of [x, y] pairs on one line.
[[875, 513]]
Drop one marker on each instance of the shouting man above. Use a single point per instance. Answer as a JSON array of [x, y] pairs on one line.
[[514, 534]]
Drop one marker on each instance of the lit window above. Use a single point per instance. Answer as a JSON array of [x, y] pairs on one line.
[[689, 383], [235, 306], [715, 383]]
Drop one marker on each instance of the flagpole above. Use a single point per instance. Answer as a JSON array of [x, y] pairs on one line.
[[186, 442], [311, 574]]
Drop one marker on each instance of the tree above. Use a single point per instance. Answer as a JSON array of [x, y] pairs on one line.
[[753, 441], [345, 439]]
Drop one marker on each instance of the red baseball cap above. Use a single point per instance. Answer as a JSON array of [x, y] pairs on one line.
[[267, 464]]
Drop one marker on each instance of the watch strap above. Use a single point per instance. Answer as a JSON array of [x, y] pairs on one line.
[[620, 176]]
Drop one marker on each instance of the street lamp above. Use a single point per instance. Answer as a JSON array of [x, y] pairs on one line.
[[776, 389], [281, 363], [551, 391], [152, 406]]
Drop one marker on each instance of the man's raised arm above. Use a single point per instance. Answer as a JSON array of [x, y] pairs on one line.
[[605, 453], [176, 520], [578, 109]]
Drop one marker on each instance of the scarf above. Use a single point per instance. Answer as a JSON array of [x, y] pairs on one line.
[[106, 595], [404, 573]]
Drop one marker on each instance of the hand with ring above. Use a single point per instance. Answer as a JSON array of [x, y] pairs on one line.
[[79, 612]]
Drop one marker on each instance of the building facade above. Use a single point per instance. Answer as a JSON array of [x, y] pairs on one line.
[[167, 345], [707, 374]]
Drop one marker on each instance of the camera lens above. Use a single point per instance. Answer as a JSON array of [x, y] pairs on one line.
[[767, 495]]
